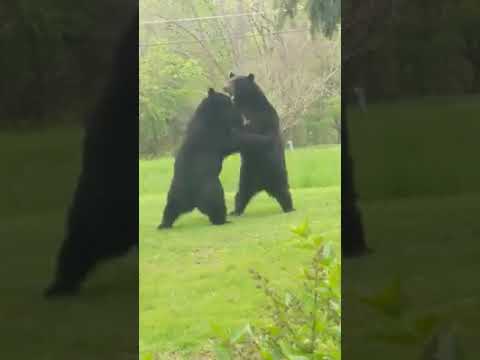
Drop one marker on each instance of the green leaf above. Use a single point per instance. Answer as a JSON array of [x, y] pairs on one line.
[[286, 348], [334, 279], [328, 251], [266, 354], [336, 307], [222, 352], [321, 325], [288, 299], [219, 331], [302, 230], [273, 330], [240, 334], [318, 240], [309, 274], [276, 352]]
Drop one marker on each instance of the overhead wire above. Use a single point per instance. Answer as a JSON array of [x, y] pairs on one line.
[[165, 43], [201, 18]]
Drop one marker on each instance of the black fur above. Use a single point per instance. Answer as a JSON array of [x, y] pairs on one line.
[[210, 137], [100, 224], [266, 169]]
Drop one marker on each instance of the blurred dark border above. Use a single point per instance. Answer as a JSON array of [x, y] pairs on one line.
[[410, 180], [60, 61]]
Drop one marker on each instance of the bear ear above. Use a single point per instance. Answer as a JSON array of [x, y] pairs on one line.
[[251, 77], [211, 91], [231, 75]]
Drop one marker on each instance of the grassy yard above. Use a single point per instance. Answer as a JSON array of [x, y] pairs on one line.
[[423, 147], [433, 246], [421, 217], [36, 186], [197, 274]]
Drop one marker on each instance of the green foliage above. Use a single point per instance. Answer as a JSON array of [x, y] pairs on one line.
[[322, 122], [297, 325], [426, 49], [242, 44], [324, 15], [432, 48], [437, 57], [170, 85], [332, 106], [427, 332]]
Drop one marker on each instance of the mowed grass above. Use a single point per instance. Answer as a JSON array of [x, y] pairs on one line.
[[308, 168], [417, 177], [432, 245], [196, 274], [36, 185], [423, 147]]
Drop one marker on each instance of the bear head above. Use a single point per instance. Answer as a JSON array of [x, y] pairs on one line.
[[244, 90], [221, 110]]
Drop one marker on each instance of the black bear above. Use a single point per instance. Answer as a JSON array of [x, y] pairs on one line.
[[265, 169], [100, 224], [214, 132]]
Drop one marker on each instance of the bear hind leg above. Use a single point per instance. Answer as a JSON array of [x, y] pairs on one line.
[[172, 212], [242, 198], [211, 202], [284, 199]]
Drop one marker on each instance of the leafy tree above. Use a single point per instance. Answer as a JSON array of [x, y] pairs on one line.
[[170, 85], [244, 44]]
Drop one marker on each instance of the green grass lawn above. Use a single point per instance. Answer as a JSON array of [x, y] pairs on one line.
[[197, 274], [433, 247], [423, 147], [36, 186], [421, 217]]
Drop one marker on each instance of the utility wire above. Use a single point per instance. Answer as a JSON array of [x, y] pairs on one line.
[[219, 38], [213, 17]]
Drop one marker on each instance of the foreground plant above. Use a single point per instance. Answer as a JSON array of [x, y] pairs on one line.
[[298, 325], [431, 333]]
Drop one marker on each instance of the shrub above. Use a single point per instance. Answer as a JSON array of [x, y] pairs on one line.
[[302, 324], [431, 334]]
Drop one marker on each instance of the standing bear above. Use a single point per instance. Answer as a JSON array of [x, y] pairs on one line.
[[213, 133], [265, 169], [100, 225]]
